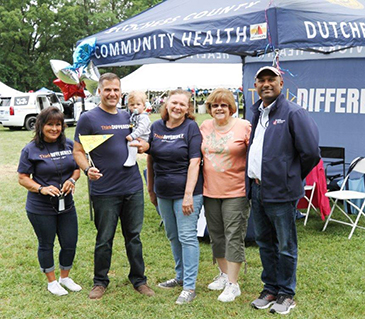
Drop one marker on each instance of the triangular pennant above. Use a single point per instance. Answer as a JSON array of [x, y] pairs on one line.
[[89, 142]]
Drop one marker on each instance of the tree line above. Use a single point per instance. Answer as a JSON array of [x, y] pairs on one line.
[[32, 32]]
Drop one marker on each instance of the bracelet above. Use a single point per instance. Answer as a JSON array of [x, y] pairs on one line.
[[86, 170], [72, 180], [40, 190]]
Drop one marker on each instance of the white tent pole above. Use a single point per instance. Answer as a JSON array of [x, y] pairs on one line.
[[194, 101]]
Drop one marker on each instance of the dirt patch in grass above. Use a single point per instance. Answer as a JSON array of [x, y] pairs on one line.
[[8, 170]]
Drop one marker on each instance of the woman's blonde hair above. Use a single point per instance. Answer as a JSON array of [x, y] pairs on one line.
[[221, 95], [188, 115]]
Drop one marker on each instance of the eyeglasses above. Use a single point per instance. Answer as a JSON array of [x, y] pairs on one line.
[[223, 106]]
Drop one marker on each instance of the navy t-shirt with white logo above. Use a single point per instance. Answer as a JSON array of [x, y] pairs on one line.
[[109, 157], [171, 150], [51, 165]]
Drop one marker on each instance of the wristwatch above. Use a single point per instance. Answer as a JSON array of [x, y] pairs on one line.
[[86, 170], [72, 180], [40, 190]]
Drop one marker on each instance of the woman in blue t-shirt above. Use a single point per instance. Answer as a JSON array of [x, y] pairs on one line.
[[49, 173], [175, 184]]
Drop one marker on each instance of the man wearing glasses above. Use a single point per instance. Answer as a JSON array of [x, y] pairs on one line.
[[283, 149]]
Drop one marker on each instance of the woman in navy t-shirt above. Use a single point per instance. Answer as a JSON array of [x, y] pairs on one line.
[[49, 173], [175, 184]]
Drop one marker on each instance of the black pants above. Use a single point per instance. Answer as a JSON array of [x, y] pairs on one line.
[[46, 227], [108, 210]]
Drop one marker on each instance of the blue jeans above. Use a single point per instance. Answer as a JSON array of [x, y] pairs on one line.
[[108, 210], [276, 236], [181, 230], [46, 227]]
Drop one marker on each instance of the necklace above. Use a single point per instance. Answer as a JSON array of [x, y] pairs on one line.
[[225, 126], [58, 167]]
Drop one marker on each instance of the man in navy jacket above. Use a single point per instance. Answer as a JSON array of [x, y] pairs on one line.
[[283, 150]]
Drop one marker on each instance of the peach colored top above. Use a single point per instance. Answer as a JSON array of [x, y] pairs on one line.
[[224, 159]]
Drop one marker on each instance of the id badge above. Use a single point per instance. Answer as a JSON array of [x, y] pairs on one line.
[[61, 203]]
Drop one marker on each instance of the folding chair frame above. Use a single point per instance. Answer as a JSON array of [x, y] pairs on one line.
[[347, 196], [333, 156], [311, 188], [352, 223]]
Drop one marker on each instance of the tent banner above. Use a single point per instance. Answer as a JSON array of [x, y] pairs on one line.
[[331, 90], [177, 28]]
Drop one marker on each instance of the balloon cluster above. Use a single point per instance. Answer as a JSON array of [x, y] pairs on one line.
[[72, 79]]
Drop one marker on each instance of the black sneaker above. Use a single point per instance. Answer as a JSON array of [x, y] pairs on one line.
[[171, 283], [283, 304], [265, 300]]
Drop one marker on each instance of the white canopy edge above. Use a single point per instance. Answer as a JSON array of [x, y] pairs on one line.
[[170, 76], [6, 91]]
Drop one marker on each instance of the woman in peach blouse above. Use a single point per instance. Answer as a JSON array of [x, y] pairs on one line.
[[224, 147]]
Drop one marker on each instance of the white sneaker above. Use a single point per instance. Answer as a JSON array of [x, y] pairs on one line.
[[55, 288], [69, 284], [230, 292], [219, 282]]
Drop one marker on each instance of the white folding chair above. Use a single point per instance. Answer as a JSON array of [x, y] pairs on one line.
[[357, 165], [309, 199]]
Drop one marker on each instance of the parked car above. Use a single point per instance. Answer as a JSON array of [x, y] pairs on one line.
[[22, 110], [69, 109], [90, 102]]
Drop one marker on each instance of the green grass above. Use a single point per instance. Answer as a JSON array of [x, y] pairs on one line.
[[331, 270]]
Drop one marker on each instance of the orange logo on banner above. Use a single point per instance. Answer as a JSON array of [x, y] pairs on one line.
[[258, 31], [353, 4]]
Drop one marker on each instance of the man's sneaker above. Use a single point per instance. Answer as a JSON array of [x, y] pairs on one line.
[[265, 300], [170, 284], [145, 290], [219, 282], [186, 296], [69, 284], [97, 292], [230, 292], [283, 304]]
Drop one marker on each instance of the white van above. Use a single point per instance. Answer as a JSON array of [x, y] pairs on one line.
[[22, 110], [89, 103]]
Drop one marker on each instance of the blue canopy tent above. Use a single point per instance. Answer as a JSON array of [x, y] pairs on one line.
[[175, 29], [231, 30]]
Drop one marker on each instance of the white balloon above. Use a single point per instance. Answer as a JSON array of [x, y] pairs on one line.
[[90, 75], [64, 71]]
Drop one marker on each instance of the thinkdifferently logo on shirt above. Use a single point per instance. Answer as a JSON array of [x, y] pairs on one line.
[[56, 154], [116, 127], [169, 138]]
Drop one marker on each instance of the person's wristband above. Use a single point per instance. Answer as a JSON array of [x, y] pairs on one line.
[[72, 180], [40, 190], [86, 170]]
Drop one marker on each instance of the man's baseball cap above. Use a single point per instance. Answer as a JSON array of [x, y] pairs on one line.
[[269, 68]]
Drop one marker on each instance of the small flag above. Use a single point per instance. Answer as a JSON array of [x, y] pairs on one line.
[[89, 142]]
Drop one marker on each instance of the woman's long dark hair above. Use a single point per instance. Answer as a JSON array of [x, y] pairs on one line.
[[49, 114]]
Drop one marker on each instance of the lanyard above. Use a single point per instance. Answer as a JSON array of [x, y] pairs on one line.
[[58, 167]]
